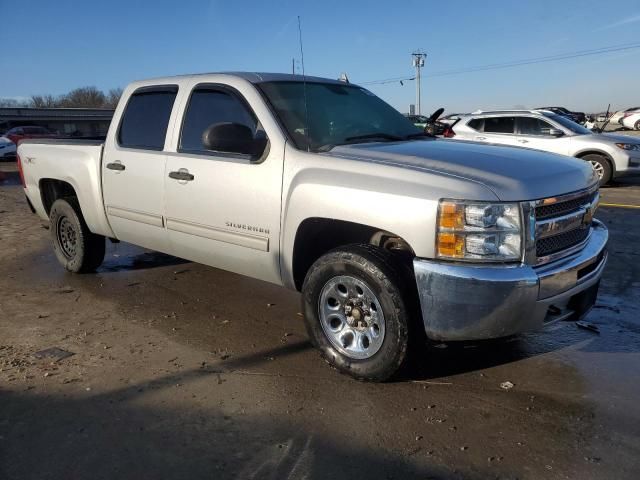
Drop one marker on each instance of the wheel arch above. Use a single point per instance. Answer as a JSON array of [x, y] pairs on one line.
[[605, 155], [52, 189], [316, 236]]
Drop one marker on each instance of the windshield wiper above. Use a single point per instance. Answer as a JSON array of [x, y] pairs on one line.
[[385, 136]]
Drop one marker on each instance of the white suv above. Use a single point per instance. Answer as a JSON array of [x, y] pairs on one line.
[[611, 155], [632, 121]]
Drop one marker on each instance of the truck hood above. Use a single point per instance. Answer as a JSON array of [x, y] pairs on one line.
[[513, 174]]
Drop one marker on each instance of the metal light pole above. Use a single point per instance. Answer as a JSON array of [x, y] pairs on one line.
[[418, 63]]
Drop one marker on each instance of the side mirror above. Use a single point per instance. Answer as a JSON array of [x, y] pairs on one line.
[[232, 138], [555, 132]]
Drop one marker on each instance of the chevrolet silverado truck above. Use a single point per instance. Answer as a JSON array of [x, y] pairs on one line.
[[390, 235]]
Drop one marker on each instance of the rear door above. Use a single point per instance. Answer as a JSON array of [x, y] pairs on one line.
[[133, 168], [223, 209], [534, 132]]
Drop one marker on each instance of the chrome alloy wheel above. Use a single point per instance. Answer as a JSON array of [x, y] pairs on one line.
[[351, 317], [598, 168], [67, 237]]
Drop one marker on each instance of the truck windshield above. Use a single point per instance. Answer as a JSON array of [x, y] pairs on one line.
[[335, 114]]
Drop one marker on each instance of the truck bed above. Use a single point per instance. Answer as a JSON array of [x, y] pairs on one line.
[[68, 163]]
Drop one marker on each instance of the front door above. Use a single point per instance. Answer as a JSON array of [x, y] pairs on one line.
[[223, 209], [133, 168], [535, 133]]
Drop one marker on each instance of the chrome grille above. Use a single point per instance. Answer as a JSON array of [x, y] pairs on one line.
[[563, 223], [557, 243], [561, 208]]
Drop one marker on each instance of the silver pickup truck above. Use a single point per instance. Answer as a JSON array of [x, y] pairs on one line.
[[390, 234]]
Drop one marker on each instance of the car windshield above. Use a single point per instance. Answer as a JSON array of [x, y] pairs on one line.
[[569, 124], [330, 114]]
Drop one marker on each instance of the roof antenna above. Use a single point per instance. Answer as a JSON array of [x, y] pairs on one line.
[[304, 87]]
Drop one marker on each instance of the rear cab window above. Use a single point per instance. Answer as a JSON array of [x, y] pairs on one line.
[[146, 117]]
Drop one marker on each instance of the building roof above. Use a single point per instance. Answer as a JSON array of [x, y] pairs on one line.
[[27, 113]]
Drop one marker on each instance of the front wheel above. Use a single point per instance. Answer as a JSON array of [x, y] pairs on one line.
[[601, 166], [637, 125], [76, 247], [357, 312]]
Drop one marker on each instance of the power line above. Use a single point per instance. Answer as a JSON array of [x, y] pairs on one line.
[[513, 63]]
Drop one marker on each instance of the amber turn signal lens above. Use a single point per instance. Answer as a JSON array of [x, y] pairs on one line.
[[450, 245], [451, 215]]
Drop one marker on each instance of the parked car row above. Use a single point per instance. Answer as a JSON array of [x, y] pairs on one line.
[[7, 149], [9, 139], [631, 120], [578, 117], [617, 117], [610, 155]]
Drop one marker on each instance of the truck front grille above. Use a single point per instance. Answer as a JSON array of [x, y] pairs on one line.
[[561, 208], [557, 243], [562, 223]]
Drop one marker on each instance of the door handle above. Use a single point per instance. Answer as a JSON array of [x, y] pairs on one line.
[[116, 166], [481, 138], [523, 141], [182, 174]]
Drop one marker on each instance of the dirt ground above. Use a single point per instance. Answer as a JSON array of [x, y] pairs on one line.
[[182, 371]]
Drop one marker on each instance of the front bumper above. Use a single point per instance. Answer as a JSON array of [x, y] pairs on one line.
[[633, 167], [471, 302]]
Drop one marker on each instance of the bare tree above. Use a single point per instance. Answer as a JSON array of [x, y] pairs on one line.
[[86, 97], [12, 103], [83, 97], [43, 101], [113, 97]]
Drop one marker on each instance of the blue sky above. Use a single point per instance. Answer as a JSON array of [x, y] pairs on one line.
[[52, 47]]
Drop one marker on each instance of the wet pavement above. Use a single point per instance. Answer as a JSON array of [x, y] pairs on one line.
[[184, 371]]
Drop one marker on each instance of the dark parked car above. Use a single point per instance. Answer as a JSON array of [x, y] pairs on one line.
[[578, 117], [18, 133]]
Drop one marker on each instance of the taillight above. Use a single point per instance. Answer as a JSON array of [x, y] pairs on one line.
[[448, 133], [19, 162]]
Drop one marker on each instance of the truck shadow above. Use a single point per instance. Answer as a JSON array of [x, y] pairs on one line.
[[124, 434], [125, 257]]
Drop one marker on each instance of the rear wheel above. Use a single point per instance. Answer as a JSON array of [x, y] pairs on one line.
[[77, 249], [357, 311], [637, 125], [601, 166]]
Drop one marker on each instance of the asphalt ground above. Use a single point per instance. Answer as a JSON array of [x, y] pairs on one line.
[[184, 371]]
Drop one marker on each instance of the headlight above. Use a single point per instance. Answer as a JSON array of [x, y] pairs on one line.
[[628, 146], [479, 231]]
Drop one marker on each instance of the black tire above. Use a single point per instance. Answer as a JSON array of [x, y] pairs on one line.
[[389, 280], [77, 249], [637, 125], [604, 166]]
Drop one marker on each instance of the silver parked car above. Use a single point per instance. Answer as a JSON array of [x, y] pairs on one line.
[[610, 155]]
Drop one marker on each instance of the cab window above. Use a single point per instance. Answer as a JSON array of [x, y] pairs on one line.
[[146, 118], [209, 106]]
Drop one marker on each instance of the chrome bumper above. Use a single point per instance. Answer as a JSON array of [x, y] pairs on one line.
[[470, 302]]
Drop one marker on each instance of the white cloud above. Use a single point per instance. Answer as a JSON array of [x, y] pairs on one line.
[[620, 23]]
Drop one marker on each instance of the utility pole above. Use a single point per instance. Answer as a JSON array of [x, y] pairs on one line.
[[418, 63]]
